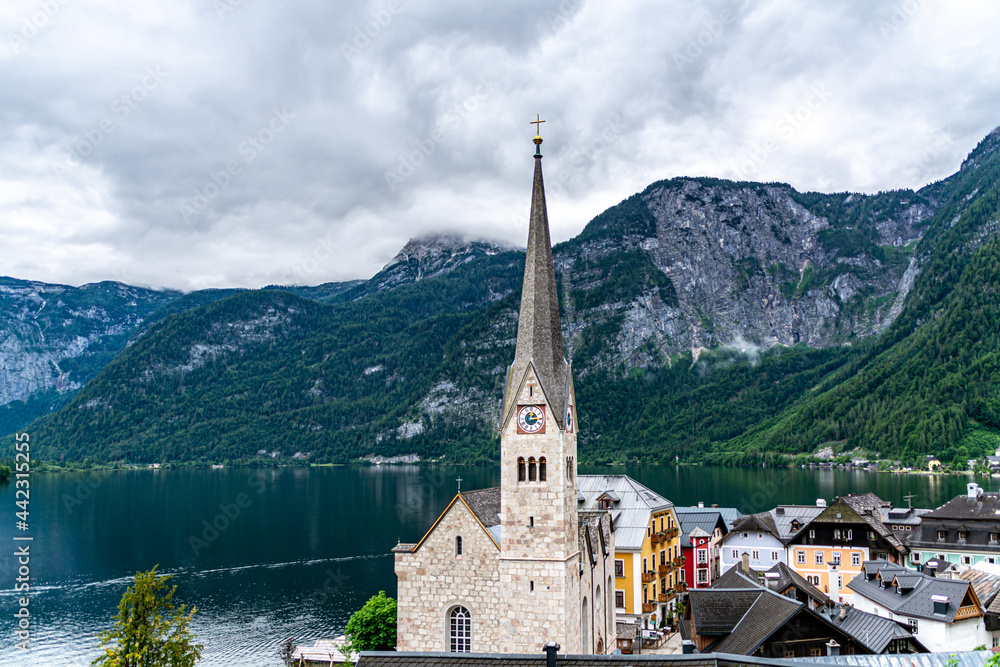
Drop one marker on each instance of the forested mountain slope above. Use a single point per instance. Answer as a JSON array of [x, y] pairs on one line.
[[707, 320]]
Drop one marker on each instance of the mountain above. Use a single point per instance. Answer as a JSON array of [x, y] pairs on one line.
[[707, 320], [55, 338]]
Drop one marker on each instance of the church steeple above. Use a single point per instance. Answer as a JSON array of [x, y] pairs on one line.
[[539, 333]]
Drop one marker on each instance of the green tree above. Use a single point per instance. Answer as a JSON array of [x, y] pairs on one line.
[[373, 627], [4, 474], [149, 630]]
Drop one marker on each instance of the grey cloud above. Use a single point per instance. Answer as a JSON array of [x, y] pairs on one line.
[[440, 95]]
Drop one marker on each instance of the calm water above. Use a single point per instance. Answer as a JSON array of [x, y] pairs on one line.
[[307, 547]]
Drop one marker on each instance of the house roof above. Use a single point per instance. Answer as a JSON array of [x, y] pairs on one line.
[[916, 602], [414, 659], [985, 584], [986, 507], [632, 512], [737, 577], [698, 518], [767, 614], [749, 613], [874, 632]]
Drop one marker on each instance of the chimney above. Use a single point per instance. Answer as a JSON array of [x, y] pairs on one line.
[[832, 647], [715, 505], [687, 646], [779, 510], [843, 611], [973, 489], [746, 561], [701, 504], [550, 654], [820, 502], [940, 604]]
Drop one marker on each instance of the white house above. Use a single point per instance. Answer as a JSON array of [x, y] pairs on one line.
[[756, 536], [943, 614]]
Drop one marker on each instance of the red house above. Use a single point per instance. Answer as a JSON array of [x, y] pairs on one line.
[[702, 528]]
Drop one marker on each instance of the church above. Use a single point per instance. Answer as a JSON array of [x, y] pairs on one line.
[[510, 569]]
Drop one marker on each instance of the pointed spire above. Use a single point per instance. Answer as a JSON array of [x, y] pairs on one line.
[[539, 333]]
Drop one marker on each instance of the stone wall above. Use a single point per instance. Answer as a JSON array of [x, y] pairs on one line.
[[432, 580]]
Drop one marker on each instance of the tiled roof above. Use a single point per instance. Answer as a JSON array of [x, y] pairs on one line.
[[485, 504], [406, 659], [768, 613], [984, 508], [986, 585], [870, 507], [944, 659], [717, 611], [916, 602]]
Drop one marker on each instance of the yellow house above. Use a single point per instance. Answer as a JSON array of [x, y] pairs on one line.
[[830, 549], [647, 545]]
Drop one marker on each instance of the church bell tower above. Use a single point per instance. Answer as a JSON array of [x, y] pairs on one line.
[[540, 556]]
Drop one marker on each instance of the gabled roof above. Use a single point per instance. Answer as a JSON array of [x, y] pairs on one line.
[[985, 584], [632, 512], [916, 602], [483, 504], [698, 518], [737, 577], [767, 614], [869, 630]]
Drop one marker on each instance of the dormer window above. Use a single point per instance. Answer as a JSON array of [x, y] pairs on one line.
[[605, 504], [962, 535], [796, 525], [993, 537], [942, 535]]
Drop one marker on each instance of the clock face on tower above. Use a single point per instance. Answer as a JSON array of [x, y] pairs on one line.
[[531, 419]]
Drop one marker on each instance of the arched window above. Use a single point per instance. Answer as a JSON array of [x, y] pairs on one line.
[[541, 469], [520, 469], [458, 545], [460, 630], [586, 627], [532, 472]]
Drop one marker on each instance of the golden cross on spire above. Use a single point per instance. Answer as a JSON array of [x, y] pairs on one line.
[[536, 123]]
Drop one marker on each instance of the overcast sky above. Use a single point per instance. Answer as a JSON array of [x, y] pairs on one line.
[[211, 143]]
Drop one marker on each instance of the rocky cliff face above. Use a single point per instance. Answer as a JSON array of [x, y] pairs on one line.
[[750, 265], [58, 337]]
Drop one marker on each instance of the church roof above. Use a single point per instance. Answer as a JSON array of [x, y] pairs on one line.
[[539, 331], [485, 504]]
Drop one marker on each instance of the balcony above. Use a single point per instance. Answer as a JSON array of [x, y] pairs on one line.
[[648, 607], [968, 611], [679, 561], [657, 538], [665, 568], [671, 533], [681, 587], [666, 597], [648, 577]]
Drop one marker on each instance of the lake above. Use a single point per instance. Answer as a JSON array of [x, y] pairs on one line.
[[267, 554]]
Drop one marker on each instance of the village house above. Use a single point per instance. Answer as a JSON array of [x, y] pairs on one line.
[[943, 614], [964, 531], [646, 545], [701, 532]]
